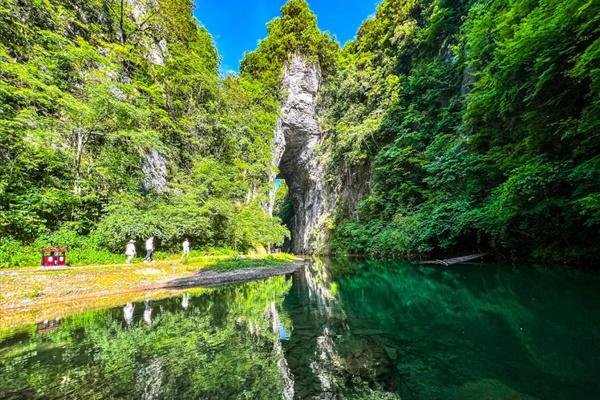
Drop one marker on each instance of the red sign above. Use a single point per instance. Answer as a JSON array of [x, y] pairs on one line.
[[54, 257]]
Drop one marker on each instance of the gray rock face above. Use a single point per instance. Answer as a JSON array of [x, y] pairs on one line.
[[351, 187], [297, 136], [156, 47], [154, 167]]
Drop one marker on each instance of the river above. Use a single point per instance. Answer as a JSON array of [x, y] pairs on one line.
[[341, 328]]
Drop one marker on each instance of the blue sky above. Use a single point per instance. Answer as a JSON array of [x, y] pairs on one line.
[[237, 25]]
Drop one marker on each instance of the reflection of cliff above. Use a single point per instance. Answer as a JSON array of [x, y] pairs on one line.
[[323, 355], [316, 319], [284, 370], [320, 289], [149, 380], [425, 332]]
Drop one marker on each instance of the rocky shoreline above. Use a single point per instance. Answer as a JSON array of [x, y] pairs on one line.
[[208, 278]]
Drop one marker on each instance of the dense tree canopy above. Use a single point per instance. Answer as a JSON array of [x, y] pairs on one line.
[[88, 90], [294, 32], [479, 123], [475, 123]]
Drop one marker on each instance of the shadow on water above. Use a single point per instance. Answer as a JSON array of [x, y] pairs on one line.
[[338, 329], [473, 331]]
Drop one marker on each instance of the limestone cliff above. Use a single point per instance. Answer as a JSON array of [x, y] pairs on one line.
[[154, 165], [296, 153], [153, 41]]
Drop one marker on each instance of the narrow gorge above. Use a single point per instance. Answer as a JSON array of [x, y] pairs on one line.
[[429, 134]]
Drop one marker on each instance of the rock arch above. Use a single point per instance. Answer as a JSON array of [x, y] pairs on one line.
[[297, 136]]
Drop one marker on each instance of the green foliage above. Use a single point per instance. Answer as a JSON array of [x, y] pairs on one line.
[[294, 32], [283, 206], [475, 122], [208, 208], [265, 262], [87, 90], [478, 121], [81, 250], [13, 254]]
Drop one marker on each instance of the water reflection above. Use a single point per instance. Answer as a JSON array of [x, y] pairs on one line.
[[337, 329], [206, 351], [185, 301], [149, 379], [48, 325], [128, 313], [147, 312], [491, 331], [313, 351], [287, 378]]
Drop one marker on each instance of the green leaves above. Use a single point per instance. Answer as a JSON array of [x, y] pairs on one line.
[[295, 31], [475, 123], [490, 139], [84, 98]]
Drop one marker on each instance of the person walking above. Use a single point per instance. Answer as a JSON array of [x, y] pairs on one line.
[[130, 251], [186, 248], [149, 249]]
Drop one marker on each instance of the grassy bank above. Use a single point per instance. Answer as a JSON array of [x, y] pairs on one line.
[[33, 294], [83, 251]]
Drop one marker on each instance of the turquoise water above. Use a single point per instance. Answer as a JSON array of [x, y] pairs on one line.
[[339, 329]]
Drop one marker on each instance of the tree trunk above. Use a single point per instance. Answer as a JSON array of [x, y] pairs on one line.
[[81, 139], [121, 27]]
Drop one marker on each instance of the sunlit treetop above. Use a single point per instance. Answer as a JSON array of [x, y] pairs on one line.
[[294, 32]]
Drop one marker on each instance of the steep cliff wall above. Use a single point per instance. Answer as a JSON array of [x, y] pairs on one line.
[[155, 44], [297, 137]]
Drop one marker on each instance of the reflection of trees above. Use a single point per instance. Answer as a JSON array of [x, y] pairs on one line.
[[204, 352], [372, 327], [317, 278], [322, 353], [365, 329]]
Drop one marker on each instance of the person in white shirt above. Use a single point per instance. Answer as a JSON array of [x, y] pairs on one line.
[[130, 251], [149, 249], [186, 248]]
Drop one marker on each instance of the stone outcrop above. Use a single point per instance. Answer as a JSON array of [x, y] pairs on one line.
[[153, 42], [154, 164], [154, 167], [297, 137]]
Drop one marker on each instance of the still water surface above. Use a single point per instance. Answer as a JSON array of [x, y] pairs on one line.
[[338, 329]]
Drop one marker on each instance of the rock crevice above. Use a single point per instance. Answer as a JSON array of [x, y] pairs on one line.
[[297, 137]]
